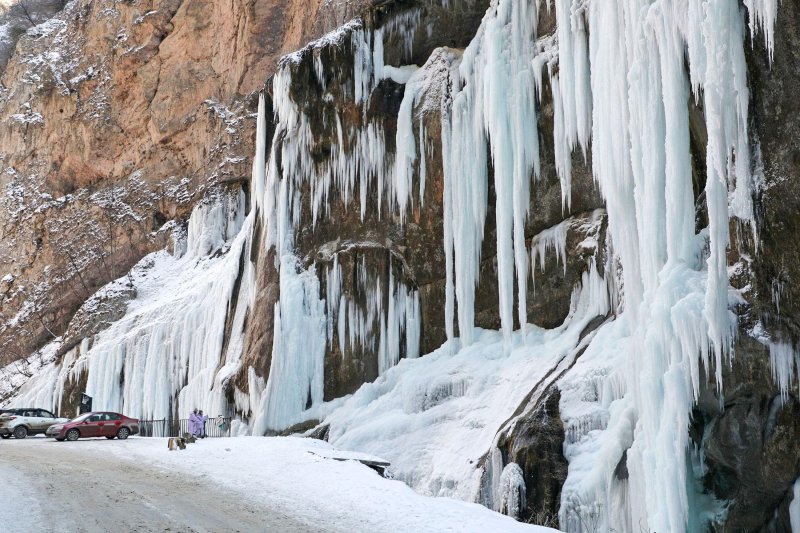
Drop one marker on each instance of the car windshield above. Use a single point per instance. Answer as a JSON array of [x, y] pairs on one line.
[[82, 417]]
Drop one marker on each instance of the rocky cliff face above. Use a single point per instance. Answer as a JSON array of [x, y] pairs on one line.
[[116, 123], [369, 238], [117, 118], [749, 431]]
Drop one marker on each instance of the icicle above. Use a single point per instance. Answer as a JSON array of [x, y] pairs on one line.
[[496, 103], [763, 14], [423, 171], [555, 239], [296, 373], [785, 363], [332, 301], [259, 179]]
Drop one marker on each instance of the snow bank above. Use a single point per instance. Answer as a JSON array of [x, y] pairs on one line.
[[293, 475], [437, 417]]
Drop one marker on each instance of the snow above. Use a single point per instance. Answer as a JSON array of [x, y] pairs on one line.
[[18, 496], [436, 417], [294, 475], [18, 373]]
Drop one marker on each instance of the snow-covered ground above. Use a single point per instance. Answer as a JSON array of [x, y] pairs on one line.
[[437, 417], [290, 475]]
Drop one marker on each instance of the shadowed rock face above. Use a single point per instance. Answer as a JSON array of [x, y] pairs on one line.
[[536, 445], [775, 124], [750, 445]]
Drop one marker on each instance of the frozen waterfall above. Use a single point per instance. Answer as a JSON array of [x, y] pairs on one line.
[[622, 76]]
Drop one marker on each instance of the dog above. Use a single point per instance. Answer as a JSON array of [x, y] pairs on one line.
[[176, 443]]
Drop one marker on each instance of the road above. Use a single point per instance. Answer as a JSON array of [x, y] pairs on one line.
[[68, 487]]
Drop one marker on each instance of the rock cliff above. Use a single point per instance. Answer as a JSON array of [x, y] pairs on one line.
[[118, 118]]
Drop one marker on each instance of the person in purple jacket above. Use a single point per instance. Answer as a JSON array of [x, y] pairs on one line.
[[193, 423]]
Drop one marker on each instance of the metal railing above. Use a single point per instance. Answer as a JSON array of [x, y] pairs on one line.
[[214, 427]]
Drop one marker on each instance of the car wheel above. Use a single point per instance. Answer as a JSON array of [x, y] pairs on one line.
[[20, 432], [5, 436], [109, 437], [123, 433], [73, 435]]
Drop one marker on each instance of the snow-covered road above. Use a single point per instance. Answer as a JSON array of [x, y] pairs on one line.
[[50, 486], [216, 485]]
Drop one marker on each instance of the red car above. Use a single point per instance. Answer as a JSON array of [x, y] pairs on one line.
[[108, 425]]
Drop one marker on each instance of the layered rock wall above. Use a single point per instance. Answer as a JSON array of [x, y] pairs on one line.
[[117, 117]]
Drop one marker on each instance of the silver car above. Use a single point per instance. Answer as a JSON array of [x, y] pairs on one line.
[[20, 423]]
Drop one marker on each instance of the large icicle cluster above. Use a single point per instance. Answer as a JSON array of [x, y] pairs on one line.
[[626, 84], [354, 323], [168, 354], [676, 300], [389, 322], [494, 100]]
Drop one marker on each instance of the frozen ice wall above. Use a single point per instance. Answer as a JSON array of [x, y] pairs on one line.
[[168, 354], [619, 73], [492, 116], [621, 76], [360, 173]]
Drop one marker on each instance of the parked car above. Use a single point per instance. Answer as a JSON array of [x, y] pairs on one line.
[[108, 425], [27, 421]]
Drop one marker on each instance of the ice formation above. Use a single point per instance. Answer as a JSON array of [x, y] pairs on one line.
[[494, 100], [552, 239], [785, 363], [627, 87], [511, 497], [168, 355], [304, 323], [504, 487], [622, 76]]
